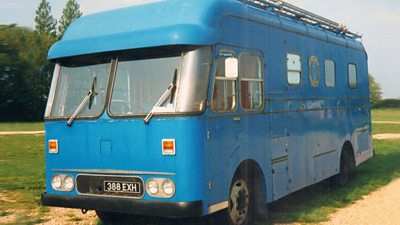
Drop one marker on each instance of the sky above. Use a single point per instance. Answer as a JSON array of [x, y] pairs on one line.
[[377, 21]]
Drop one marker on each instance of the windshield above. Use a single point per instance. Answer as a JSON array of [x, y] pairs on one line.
[[142, 81], [171, 79], [75, 81]]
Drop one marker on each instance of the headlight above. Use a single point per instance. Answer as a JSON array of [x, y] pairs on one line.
[[62, 182], [152, 187], [168, 188], [56, 182], [160, 187], [69, 183]]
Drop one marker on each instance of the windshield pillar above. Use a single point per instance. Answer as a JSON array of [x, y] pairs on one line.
[[193, 86], [52, 92]]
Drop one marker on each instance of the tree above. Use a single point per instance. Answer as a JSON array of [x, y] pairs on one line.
[[23, 84], [71, 12], [375, 90], [45, 23], [15, 95]]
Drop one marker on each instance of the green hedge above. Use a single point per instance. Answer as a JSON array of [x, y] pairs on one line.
[[387, 103]]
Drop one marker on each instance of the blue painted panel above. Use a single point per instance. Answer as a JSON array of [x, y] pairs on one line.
[[296, 153], [231, 142], [280, 179], [160, 23], [135, 147], [325, 166]]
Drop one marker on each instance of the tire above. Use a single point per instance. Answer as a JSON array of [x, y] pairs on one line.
[[342, 179], [121, 219], [108, 218], [240, 209], [261, 213]]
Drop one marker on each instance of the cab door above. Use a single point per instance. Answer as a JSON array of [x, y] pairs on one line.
[[223, 125]]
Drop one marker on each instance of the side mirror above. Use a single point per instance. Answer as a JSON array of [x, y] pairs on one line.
[[231, 67]]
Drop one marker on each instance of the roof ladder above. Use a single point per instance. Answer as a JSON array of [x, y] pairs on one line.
[[297, 13]]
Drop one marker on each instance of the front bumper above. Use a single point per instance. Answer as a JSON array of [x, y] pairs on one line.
[[125, 205]]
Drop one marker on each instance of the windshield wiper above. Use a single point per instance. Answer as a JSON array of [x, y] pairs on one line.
[[169, 92], [88, 98]]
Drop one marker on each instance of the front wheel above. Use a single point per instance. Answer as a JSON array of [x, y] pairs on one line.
[[240, 204], [107, 217], [117, 218]]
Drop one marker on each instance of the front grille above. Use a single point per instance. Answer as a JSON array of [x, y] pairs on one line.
[[110, 186]]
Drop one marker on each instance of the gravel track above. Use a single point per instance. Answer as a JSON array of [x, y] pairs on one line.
[[386, 136], [379, 207], [38, 132], [63, 216]]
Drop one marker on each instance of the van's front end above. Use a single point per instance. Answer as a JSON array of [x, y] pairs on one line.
[[120, 132], [123, 131]]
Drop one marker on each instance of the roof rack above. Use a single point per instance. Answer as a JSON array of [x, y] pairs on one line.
[[297, 13]]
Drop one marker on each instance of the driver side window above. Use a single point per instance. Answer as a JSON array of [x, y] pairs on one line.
[[224, 91]]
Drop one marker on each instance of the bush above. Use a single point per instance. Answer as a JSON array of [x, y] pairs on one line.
[[387, 103]]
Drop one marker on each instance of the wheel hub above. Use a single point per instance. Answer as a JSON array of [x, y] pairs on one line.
[[239, 202]]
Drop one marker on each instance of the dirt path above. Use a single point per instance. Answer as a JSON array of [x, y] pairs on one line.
[[22, 132], [380, 207], [55, 216], [386, 136], [62, 216], [386, 122]]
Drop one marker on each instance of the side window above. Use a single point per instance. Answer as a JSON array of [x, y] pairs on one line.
[[330, 73], [293, 63], [352, 76], [251, 82], [224, 91]]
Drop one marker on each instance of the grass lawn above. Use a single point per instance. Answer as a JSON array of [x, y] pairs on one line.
[[33, 126], [386, 115], [22, 176], [385, 128]]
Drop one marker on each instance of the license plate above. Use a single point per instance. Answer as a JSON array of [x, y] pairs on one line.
[[120, 186]]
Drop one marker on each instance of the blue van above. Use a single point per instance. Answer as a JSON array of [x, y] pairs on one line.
[[184, 108]]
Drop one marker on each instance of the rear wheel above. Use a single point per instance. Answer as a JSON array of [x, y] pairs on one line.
[[342, 179]]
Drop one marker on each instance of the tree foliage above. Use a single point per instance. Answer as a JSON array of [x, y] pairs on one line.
[[25, 73], [375, 90], [45, 22], [388, 104], [71, 12]]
